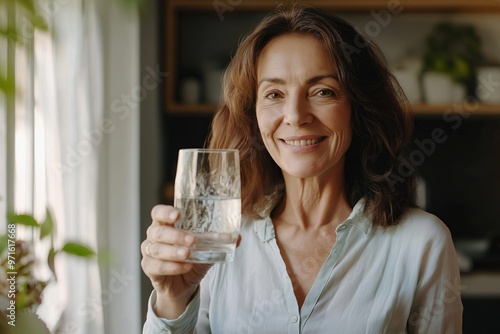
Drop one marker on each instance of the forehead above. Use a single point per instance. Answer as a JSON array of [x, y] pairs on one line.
[[295, 52]]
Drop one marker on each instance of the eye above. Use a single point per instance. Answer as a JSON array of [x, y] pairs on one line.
[[272, 95], [326, 93]]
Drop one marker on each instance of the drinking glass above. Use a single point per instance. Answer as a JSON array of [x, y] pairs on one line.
[[208, 195]]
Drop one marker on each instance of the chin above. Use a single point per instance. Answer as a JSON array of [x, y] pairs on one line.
[[301, 173]]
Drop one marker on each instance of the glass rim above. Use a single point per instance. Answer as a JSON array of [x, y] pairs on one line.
[[209, 150]]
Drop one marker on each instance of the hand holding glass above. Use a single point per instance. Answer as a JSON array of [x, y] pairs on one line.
[[208, 195]]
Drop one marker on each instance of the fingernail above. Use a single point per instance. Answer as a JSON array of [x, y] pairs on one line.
[[173, 215], [182, 252], [189, 239]]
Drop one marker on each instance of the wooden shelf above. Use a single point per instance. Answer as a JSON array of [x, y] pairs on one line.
[[176, 7], [353, 5], [481, 284], [191, 108], [462, 108]]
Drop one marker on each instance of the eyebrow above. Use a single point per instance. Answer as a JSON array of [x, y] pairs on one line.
[[309, 81]]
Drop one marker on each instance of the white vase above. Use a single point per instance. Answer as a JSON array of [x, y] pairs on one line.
[[213, 85], [459, 92], [438, 88], [212, 77], [488, 84], [407, 72], [408, 80]]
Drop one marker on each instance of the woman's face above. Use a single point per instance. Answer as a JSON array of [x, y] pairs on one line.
[[303, 114]]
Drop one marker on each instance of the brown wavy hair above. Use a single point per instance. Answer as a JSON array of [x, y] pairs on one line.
[[381, 118]]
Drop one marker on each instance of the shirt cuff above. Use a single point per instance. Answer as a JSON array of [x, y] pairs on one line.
[[185, 322]]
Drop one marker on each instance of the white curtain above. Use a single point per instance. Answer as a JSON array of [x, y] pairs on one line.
[[69, 98], [83, 161]]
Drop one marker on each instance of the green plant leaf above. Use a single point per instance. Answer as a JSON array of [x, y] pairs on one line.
[[3, 243], [47, 226], [6, 85], [29, 6], [26, 220], [51, 261], [454, 49], [11, 34], [132, 3], [78, 249], [32, 13]]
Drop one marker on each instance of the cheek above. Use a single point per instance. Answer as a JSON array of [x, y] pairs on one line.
[[341, 141], [346, 134], [268, 121], [344, 141], [341, 127], [345, 129]]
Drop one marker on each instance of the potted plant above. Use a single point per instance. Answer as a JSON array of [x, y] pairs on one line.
[[21, 291], [450, 59]]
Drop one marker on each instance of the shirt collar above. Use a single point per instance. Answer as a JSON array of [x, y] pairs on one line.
[[265, 230], [264, 227], [358, 218]]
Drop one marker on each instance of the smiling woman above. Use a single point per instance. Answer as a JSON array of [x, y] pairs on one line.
[[302, 112], [329, 243]]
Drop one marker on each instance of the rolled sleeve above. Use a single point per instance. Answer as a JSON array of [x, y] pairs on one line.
[[185, 323]]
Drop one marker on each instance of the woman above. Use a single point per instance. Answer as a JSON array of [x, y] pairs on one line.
[[329, 240]]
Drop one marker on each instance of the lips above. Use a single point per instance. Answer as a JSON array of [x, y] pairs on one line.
[[304, 142]]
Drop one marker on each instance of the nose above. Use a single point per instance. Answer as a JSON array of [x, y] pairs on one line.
[[297, 111]]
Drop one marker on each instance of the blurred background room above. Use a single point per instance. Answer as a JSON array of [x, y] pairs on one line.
[[97, 97]]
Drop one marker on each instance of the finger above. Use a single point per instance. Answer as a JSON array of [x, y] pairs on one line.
[[169, 235], [164, 252], [154, 268], [164, 214]]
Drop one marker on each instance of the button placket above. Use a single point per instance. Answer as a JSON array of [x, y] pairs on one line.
[[341, 238]]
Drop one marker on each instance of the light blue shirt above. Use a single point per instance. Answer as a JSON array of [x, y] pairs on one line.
[[404, 279]]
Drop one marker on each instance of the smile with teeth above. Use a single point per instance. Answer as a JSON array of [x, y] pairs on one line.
[[305, 142]]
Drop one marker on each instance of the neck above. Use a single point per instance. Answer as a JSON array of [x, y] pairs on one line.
[[310, 203]]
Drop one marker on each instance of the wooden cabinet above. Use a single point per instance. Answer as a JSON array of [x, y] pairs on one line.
[[201, 33]]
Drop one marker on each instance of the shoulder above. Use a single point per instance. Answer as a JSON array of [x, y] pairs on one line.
[[424, 224], [416, 229], [421, 230], [420, 237]]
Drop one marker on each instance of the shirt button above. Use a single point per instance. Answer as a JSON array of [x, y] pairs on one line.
[[294, 319]]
